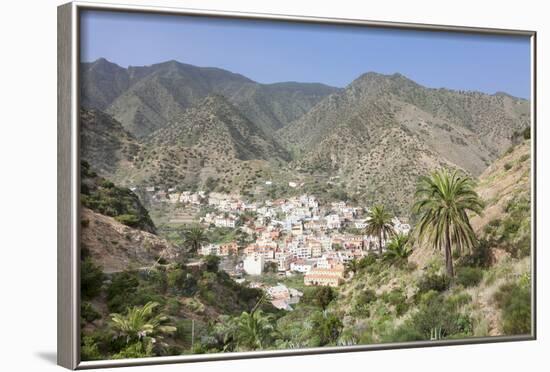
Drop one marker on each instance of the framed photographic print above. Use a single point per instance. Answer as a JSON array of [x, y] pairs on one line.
[[236, 185]]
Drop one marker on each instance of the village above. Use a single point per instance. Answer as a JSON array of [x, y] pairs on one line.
[[289, 237]]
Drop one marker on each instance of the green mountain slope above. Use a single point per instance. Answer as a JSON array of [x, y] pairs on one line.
[[490, 294], [147, 98], [105, 144], [382, 131], [210, 140]]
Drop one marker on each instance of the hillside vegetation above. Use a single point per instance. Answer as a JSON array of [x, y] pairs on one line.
[[395, 297], [383, 131], [453, 168]]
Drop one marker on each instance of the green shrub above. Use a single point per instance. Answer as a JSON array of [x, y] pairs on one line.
[[514, 300], [91, 279], [368, 261], [121, 292], [175, 278], [435, 312], [183, 330], [523, 158], [128, 220], [397, 298], [146, 294], [88, 312], [136, 350], [468, 276], [459, 299], [481, 255], [173, 306], [158, 278], [211, 263], [433, 282], [513, 232], [107, 184], [527, 133], [365, 297], [404, 333], [319, 296], [89, 349], [326, 328], [508, 166]]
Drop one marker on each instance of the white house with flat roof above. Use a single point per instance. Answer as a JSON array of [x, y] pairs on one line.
[[254, 264]]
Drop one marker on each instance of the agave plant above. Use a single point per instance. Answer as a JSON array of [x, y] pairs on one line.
[[140, 323], [398, 249]]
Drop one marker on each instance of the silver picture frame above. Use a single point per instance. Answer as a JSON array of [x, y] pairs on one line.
[[68, 181]]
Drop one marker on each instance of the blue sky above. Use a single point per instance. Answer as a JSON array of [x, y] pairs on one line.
[[270, 52]]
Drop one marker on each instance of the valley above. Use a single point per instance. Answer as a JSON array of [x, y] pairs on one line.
[[250, 216]]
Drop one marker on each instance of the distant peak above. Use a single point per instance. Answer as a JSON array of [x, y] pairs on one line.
[[374, 80], [104, 63], [503, 94], [102, 60], [169, 63]]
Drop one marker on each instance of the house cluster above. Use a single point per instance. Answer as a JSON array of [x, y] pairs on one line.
[[221, 250], [294, 235], [173, 196]]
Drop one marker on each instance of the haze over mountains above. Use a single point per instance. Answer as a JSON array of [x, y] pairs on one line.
[[175, 124]]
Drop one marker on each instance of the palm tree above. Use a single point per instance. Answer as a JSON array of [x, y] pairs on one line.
[[443, 201], [194, 238], [140, 323], [379, 224], [397, 248], [254, 330]]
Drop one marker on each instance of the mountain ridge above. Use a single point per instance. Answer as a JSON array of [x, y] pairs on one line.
[[378, 135], [146, 98], [387, 130]]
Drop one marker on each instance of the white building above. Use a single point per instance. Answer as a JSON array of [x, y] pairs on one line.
[[210, 249], [174, 198], [195, 199], [326, 243], [185, 197], [283, 262], [361, 224], [301, 266], [278, 291], [254, 264], [333, 221], [399, 227], [224, 222]]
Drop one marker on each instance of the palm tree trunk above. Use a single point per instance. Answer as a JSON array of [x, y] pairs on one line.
[[380, 244], [448, 254]]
